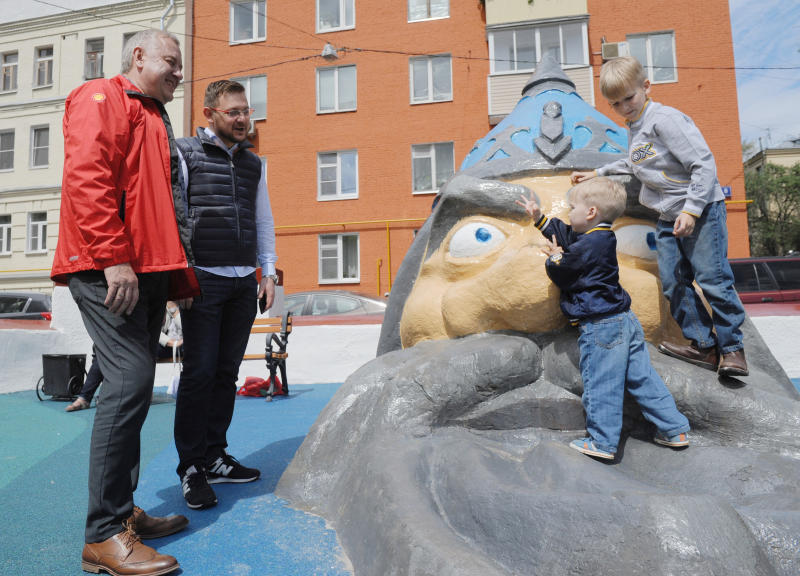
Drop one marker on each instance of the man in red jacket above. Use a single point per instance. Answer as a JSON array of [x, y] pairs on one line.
[[123, 245]]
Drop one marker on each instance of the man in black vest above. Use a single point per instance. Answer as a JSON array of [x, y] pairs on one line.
[[232, 234]]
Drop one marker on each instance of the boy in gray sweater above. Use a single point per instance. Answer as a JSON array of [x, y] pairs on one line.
[[669, 156]]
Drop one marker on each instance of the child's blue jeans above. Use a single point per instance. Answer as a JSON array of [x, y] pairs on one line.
[[701, 257], [613, 355]]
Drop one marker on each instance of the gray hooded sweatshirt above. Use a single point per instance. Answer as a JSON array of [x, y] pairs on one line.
[[670, 157]]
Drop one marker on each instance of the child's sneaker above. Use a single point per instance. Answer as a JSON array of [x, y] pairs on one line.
[[678, 441], [586, 446]]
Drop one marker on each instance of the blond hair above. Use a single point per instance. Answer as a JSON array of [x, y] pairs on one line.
[[621, 76], [608, 196]]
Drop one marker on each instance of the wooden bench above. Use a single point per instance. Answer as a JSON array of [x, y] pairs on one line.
[[277, 330]]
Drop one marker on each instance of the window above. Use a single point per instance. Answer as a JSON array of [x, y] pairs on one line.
[[338, 258], [519, 49], [336, 89], [248, 20], [44, 66], [9, 63], [37, 231], [656, 52], [337, 175], [7, 150], [5, 233], [431, 165], [431, 79], [40, 146], [427, 9], [93, 68], [335, 15], [256, 90]]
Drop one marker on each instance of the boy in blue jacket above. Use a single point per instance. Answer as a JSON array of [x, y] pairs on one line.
[[582, 262]]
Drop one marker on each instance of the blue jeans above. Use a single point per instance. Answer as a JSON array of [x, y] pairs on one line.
[[701, 257], [215, 333], [613, 355]]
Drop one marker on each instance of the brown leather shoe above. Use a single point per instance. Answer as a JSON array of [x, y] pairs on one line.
[[124, 555], [703, 357], [153, 526], [733, 364]]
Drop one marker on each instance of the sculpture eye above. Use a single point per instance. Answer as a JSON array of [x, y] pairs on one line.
[[636, 240], [475, 239]]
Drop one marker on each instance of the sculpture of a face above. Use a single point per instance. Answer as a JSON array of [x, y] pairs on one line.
[[488, 272]]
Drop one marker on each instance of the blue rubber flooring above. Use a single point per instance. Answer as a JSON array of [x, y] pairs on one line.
[[44, 455]]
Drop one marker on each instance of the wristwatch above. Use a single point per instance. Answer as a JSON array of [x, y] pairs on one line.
[[274, 278]]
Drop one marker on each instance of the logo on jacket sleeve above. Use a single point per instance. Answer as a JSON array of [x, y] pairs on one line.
[[98, 96], [642, 153]]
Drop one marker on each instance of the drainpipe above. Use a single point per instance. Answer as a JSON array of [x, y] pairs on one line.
[[167, 11]]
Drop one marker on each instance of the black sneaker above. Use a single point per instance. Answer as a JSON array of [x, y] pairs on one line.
[[226, 468], [196, 491]]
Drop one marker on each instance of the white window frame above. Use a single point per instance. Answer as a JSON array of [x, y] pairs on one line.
[[340, 279], [338, 166], [538, 45], [648, 65], [337, 107], [8, 150], [93, 58], [428, 6], [342, 16], [37, 233], [429, 60], [257, 21], [247, 82], [5, 235], [35, 148], [428, 150], [43, 61], [10, 70]]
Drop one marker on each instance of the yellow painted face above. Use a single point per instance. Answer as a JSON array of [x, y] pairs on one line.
[[488, 273]]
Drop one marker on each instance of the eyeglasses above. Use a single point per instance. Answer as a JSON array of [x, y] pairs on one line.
[[234, 113]]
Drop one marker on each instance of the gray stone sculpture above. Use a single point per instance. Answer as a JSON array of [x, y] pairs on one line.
[[450, 457]]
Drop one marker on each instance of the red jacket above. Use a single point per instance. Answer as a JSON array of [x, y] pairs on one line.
[[116, 195]]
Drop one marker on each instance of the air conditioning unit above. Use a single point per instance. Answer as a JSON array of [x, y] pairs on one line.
[[252, 130], [615, 50]]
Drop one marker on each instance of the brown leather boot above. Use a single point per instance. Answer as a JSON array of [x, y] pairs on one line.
[[733, 364], [153, 526], [703, 357], [124, 555]]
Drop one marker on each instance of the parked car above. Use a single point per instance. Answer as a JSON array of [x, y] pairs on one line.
[[25, 305], [325, 302], [767, 279]]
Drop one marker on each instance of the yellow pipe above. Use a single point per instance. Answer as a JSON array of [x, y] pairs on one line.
[[379, 262], [30, 270], [349, 223], [389, 255], [738, 201]]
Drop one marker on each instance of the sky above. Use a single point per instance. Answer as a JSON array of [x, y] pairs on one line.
[[766, 34], [766, 45]]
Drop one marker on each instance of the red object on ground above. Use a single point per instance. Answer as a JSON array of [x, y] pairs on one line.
[[254, 386]]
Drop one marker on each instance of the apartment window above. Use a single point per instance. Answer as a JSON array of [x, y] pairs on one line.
[[37, 231], [248, 20], [335, 15], [431, 79], [93, 67], [44, 66], [5, 233], [431, 165], [656, 52], [519, 49], [428, 9], [338, 258], [7, 150], [40, 146], [336, 89], [337, 175], [9, 63], [256, 91]]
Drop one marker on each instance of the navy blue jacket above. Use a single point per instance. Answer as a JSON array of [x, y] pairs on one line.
[[587, 273]]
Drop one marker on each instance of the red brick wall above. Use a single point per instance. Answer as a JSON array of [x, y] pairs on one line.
[[706, 87]]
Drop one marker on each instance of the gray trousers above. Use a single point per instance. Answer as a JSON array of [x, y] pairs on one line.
[[126, 350]]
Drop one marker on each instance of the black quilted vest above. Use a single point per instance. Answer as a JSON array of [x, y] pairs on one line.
[[222, 201]]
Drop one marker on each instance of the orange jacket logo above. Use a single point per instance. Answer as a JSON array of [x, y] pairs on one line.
[[98, 96]]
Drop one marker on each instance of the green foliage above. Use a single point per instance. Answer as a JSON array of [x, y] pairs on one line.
[[774, 213]]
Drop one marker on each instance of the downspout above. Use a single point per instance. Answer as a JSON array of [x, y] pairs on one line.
[[167, 11]]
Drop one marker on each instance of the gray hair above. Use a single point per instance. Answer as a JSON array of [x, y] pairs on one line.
[[145, 39]]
